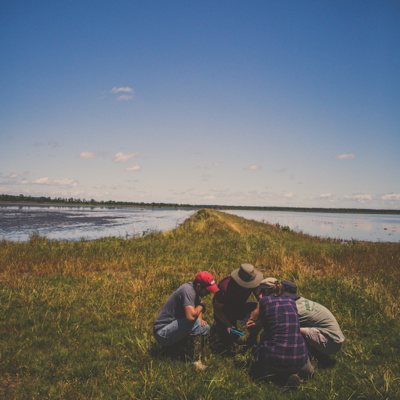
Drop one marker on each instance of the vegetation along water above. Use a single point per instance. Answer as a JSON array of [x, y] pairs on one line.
[[76, 317]]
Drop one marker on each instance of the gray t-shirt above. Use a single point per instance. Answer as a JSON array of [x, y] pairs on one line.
[[315, 315], [174, 308]]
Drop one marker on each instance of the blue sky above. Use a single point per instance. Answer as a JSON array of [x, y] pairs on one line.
[[263, 103]]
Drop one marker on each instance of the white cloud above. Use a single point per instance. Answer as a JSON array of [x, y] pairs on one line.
[[288, 195], [210, 197], [122, 157], [55, 182], [135, 168], [124, 97], [254, 167], [343, 156], [87, 154], [391, 196], [325, 195], [217, 164], [125, 89], [361, 198], [15, 176]]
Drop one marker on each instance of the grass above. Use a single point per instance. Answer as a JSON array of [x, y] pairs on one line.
[[76, 317]]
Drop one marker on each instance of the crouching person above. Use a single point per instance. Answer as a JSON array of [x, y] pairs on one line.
[[318, 326], [181, 315], [282, 352]]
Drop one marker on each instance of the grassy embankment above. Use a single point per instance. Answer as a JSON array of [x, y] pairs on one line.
[[76, 317]]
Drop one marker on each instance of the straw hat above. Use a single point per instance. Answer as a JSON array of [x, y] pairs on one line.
[[247, 276]]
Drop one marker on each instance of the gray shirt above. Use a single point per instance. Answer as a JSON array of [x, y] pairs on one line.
[[174, 308], [315, 315]]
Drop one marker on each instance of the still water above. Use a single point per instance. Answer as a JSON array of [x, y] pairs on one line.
[[17, 223], [368, 227]]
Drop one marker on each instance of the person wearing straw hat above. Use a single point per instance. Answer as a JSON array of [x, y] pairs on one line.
[[231, 302]]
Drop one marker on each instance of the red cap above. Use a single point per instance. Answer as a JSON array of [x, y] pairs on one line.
[[206, 280]]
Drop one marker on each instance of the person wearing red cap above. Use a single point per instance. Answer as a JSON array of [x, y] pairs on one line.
[[181, 315]]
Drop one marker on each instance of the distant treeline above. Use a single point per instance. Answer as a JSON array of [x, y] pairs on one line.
[[92, 202]]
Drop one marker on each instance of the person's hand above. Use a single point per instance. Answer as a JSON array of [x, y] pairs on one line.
[[203, 323], [250, 323], [229, 329]]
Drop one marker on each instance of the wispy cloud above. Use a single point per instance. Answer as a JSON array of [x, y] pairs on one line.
[[124, 97], [16, 176], [288, 195], [87, 154], [343, 156], [217, 164], [127, 93], [55, 182], [254, 167], [391, 197], [209, 197], [122, 157], [125, 89], [325, 195], [134, 168], [360, 198]]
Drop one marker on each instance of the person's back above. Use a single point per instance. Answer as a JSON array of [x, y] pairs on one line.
[[313, 314], [174, 308], [281, 343], [318, 325]]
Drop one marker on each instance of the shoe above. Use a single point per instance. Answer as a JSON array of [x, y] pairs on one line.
[[293, 382]]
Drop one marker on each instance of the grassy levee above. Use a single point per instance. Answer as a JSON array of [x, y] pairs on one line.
[[76, 317]]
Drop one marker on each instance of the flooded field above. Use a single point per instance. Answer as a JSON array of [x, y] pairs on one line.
[[18, 223]]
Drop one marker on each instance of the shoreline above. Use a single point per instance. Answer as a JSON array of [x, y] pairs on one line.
[[215, 207]]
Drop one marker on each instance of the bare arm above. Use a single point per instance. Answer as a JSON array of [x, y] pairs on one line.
[[192, 313], [221, 316], [254, 314]]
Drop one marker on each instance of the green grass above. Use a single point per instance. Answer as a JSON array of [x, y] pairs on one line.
[[76, 317]]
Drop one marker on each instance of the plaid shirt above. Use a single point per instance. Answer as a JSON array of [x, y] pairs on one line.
[[281, 343]]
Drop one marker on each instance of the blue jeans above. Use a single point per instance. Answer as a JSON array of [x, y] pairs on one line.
[[178, 330]]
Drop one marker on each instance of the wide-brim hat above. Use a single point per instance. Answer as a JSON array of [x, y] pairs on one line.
[[247, 276]]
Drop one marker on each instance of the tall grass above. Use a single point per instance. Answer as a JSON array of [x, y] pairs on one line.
[[76, 317]]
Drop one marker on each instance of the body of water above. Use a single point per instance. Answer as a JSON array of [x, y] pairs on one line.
[[18, 223], [368, 227]]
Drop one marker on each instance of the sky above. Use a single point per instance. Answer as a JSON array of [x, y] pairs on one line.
[[242, 103]]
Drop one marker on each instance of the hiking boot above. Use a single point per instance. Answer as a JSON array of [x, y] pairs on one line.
[[293, 382]]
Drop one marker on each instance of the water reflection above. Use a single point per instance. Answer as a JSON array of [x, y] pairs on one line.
[[369, 227], [18, 222]]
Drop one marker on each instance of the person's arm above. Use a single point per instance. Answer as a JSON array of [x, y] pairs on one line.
[[221, 316], [192, 313], [254, 314]]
